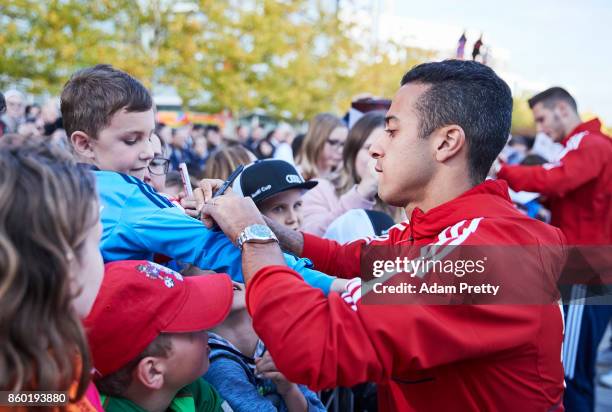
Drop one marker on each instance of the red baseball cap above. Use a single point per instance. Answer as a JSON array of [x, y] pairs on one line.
[[139, 299]]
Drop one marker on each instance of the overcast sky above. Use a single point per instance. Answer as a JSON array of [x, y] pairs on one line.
[[535, 43]]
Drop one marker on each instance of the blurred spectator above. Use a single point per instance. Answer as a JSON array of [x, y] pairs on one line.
[[353, 187], [358, 165], [15, 111], [242, 134], [2, 109], [51, 117], [577, 187], [165, 133], [213, 136], [281, 140], [531, 206], [257, 134], [321, 153], [296, 145], [224, 160], [198, 130], [30, 129], [179, 148], [32, 111], [2, 103], [199, 154], [265, 148]]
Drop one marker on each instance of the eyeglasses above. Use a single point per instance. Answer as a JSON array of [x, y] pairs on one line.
[[159, 166], [335, 143]]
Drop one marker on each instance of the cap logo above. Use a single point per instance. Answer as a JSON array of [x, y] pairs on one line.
[[260, 190], [293, 179], [154, 271]]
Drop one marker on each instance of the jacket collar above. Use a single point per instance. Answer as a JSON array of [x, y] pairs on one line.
[[487, 199], [592, 126]]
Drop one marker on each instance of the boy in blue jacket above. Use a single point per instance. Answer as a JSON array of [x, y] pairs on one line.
[[109, 118]]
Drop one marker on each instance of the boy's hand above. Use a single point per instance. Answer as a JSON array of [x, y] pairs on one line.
[[189, 204], [206, 189], [265, 368], [202, 194]]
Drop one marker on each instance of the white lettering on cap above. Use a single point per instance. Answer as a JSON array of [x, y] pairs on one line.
[[261, 190], [293, 179]]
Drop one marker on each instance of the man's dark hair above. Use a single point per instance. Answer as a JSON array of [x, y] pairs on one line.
[[550, 97], [470, 95], [93, 95], [2, 103]]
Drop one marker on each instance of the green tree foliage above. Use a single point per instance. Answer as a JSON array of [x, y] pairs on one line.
[[290, 58], [522, 118]]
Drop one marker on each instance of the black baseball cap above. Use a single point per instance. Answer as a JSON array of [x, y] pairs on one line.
[[265, 178]]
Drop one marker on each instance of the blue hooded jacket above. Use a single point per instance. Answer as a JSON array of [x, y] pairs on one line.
[[138, 223], [232, 374]]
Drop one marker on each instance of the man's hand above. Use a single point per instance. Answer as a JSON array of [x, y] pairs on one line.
[[231, 212], [368, 187]]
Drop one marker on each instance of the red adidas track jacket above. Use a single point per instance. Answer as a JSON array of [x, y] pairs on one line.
[[424, 358], [578, 186]]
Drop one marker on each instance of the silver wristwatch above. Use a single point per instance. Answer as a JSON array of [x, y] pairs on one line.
[[256, 234]]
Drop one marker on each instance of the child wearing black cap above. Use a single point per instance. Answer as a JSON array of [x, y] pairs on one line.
[[276, 187]]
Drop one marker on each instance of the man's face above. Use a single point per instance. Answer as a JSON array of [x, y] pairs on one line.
[[404, 161], [124, 145], [548, 121], [15, 107]]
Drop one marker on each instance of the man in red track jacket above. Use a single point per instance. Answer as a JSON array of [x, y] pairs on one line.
[[578, 185], [446, 125], [578, 188]]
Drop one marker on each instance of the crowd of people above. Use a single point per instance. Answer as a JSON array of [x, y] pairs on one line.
[[240, 288]]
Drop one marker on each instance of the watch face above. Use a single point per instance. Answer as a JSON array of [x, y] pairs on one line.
[[260, 231]]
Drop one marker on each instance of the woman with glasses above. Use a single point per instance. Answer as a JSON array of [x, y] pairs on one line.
[[322, 158], [158, 168]]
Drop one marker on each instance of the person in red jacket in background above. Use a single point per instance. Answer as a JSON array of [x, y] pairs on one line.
[[578, 187], [445, 127]]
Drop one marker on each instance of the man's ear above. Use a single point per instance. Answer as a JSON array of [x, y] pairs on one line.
[[82, 145], [448, 141], [563, 109], [150, 372]]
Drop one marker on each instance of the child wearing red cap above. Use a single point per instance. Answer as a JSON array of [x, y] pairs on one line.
[[147, 336]]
